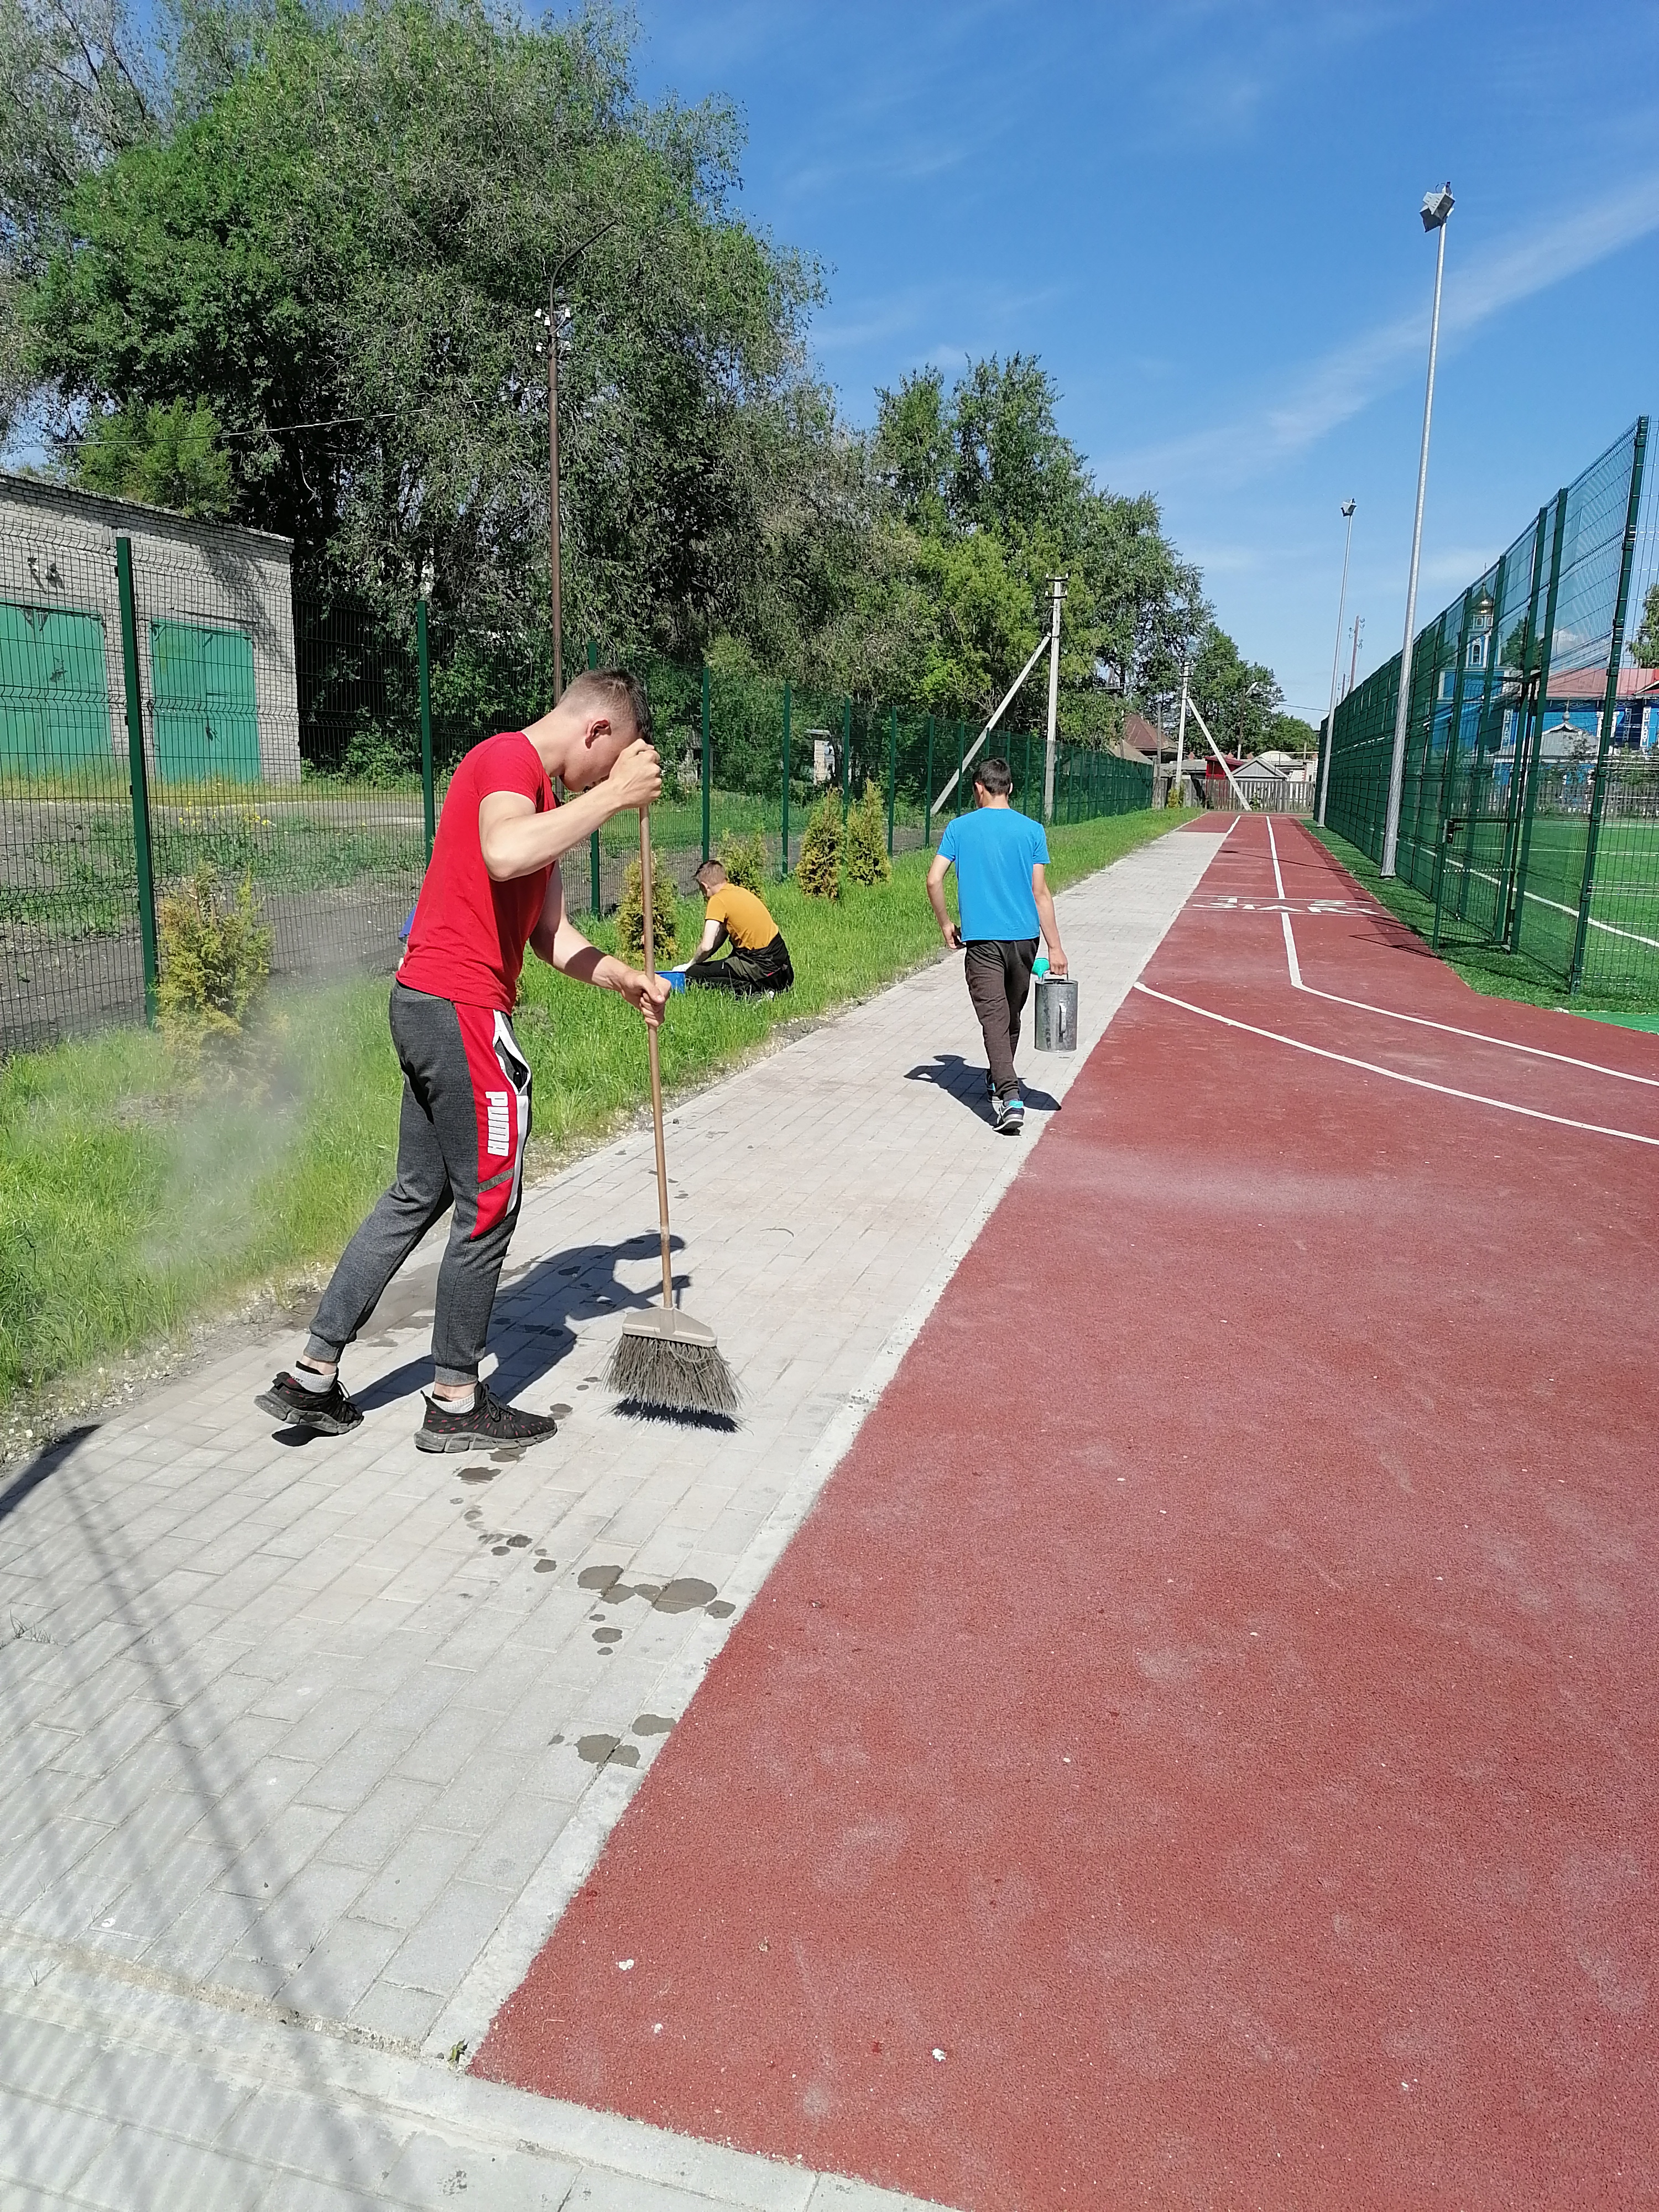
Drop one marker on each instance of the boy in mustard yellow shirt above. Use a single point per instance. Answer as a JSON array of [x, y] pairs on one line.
[[758, 960]]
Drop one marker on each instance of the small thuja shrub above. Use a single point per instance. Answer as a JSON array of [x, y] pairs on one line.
[[214, 955], [867, 839], [819, 872], [630, 916], [743, 859]]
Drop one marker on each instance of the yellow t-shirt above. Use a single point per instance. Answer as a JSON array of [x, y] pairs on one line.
[[748, 924]]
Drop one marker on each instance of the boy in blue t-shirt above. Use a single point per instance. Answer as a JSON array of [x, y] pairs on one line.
[[999, 857]]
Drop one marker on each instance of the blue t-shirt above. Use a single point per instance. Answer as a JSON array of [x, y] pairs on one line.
[[993, 851]]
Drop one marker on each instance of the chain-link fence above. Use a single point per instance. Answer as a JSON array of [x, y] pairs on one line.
[[1529, 801], [170, 703]]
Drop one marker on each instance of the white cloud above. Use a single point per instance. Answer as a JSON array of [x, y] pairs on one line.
[[1344, 382]]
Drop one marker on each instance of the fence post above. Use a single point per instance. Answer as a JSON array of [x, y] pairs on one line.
[[927, 795], [1512, 808], [1479, 792], [1026, 780], [1610, 706], [962, 747], [594, 841], [845, 756], [423, 663], [1454, 732], [705, 760], [141, 850], [1518, 911], [892, 777], [784, 866]]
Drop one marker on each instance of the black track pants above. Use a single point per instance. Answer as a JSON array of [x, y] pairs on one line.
[[461, 1140], [999, 972], [745, 973]]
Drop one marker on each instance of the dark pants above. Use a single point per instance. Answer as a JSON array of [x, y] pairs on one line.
[[461, 1140], [746, 973], [998, 972]]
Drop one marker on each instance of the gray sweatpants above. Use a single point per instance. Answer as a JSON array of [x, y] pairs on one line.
[[461, 1140]]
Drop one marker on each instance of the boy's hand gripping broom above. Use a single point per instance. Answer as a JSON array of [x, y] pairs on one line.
[[663, 1357]]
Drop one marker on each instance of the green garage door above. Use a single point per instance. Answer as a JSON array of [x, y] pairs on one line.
[[54, 701], [207, 723]]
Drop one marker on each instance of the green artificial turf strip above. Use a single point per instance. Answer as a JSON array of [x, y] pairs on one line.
[[140, 1191], [1484, 968]]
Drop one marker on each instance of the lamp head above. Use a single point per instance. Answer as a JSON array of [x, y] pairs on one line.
[[1436, 206], [1347, 510]]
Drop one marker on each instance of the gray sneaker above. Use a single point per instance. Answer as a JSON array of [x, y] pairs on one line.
[[289, 1400], [485, 1423], [1011, 1115]]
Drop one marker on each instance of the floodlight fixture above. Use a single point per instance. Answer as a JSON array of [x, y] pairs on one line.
[[1436, 206], [1330, 716]]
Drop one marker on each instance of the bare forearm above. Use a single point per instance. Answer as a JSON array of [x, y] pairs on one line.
[[1045, 907], [525, 843]]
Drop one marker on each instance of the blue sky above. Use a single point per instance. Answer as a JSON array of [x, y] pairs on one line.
[[1203, 218]]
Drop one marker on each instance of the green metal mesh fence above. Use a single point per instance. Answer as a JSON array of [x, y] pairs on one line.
[[180, 706], [1526, 794]]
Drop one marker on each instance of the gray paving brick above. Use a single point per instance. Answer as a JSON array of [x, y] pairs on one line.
[[414, 1878], [137, 2168], [44, 2148], [390, 1812], [386, 2007], [430, 2171], [446, 1940], [335, 1976]]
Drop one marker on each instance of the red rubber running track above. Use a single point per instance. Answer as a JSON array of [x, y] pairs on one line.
[[1214, 1704]]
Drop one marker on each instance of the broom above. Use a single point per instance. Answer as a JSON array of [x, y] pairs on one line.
[[664, 1358]]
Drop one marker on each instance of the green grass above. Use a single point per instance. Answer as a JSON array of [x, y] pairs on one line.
[[1518, 976], [140, 1191]]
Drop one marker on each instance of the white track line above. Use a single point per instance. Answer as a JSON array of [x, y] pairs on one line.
[[1394, 1075], [1422, 1021], [1539, 899]]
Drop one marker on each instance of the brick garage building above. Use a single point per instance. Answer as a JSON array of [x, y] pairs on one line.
[[215, 608]]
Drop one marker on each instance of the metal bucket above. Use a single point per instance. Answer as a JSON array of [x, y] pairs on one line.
[[1056, 1014]]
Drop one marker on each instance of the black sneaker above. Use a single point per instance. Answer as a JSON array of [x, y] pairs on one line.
[[1011, 1115], [485, 1423], [289, 1400]]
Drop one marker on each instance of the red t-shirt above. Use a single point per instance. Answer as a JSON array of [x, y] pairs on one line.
[[469, 934]]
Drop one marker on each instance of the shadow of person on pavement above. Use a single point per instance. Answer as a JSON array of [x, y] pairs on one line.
[[530, 1330], [964, 1079]]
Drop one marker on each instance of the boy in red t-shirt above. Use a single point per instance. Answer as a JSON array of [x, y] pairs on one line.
[[491, 888]]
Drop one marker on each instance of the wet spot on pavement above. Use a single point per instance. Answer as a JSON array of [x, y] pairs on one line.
[[606, 1750]]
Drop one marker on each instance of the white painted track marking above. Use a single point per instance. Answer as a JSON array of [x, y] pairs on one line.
[[1392, 1074], [1423, 1022]]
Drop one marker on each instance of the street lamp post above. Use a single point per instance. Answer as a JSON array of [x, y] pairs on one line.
[[1336, 655], [551, 318], [1436, 206]]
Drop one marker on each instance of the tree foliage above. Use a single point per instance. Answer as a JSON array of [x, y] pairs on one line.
[[818, 870], [326, 231], [165, 456]]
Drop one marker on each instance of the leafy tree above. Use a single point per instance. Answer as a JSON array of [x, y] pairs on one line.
[[1647, 637], [344, 242], [867, 838], [1239, 699], [167, 456], [818, 870]]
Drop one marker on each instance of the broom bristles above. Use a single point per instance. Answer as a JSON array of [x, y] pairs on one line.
[[681, 1379]]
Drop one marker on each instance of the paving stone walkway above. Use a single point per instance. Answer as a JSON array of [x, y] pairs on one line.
[[304, 1744]]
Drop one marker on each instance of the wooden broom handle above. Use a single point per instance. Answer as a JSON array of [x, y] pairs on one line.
[[656, 1069]]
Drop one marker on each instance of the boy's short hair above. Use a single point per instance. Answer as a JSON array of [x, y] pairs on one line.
[[614, 691], [712, 869], [995, 776]]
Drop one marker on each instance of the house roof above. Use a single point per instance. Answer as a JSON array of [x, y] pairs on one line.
[[1592, 684], [1139, 733]]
